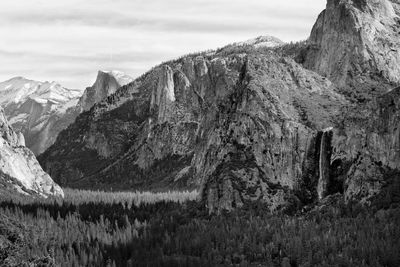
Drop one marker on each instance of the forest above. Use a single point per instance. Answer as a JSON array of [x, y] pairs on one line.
[[173, 229]]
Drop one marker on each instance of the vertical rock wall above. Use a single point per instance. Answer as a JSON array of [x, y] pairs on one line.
[[19, 167], [356, 45]]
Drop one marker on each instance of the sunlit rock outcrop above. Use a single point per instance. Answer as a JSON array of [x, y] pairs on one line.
[[19, 169], [355, 43]]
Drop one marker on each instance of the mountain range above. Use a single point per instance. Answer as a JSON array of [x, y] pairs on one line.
[[257, 121], [40, 110]]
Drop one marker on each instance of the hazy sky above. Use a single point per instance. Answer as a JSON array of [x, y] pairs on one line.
[[69, 40]]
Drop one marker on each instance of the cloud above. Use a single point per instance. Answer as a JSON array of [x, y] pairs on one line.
[[69, 40]]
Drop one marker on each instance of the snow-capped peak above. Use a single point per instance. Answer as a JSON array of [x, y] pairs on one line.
[[263, 41], [19, 89]]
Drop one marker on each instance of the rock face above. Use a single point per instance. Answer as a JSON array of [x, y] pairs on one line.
[[355, 43], [262, 142], [250, 124], [366, 147], [19, 168], [38, 110], [107, 82]]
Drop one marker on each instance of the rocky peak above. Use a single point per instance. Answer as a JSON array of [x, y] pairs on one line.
[[107, 82], [356, 43]]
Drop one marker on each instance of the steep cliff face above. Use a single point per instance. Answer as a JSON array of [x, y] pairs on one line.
[[355, 43], [367, 147], [107, 82], [19, 169], [261, 144], [37, 109]]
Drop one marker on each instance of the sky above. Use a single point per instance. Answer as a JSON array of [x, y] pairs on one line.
[[68, 41]]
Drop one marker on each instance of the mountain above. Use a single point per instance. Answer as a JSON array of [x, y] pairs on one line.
[[107, 82], [184, 121], [40, 110], [286, 125], [19, 169], [37, 109], [355, 43]]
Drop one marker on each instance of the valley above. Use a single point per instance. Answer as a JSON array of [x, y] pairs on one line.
[[257, 153]]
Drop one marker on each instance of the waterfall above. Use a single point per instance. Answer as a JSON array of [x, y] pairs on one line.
[[325, 152]]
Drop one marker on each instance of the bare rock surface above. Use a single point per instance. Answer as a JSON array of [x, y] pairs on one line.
[[19, 168], [107, 82], [356, 44]]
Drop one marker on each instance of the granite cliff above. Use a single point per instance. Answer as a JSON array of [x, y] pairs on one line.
[[107, 82], [355, 43], [19, 169], [250, 123]]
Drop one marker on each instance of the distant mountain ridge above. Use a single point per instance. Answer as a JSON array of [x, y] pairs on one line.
[[33, 108], [40, 110], [19, 89]]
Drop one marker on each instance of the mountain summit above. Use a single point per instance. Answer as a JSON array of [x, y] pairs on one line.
[[107, 82]]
